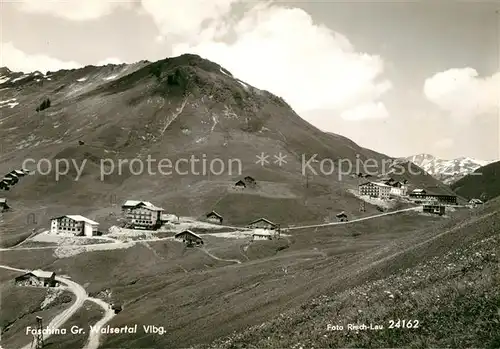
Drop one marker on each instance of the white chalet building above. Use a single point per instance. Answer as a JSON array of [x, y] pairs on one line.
[[375, 190], [398, 189], [74, 225]]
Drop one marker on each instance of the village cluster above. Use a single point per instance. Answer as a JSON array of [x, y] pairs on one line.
[[386, 188], [143, 215], [12, 178]]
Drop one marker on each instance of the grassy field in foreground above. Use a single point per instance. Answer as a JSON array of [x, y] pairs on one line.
[[453, 293], [166, 284], [21, 305]]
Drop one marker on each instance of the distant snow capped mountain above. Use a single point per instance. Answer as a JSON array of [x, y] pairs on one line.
[[447, 171]]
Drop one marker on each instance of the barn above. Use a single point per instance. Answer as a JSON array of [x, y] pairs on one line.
[[3, 205], [10, 180], [250, 181], [37, 278], [472, 202], [240, 185], [262, 223], [189, 238], [19, 173], [434, 209], [214, 217], [341, 217]]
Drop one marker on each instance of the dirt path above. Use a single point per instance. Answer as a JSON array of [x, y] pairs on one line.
[[355, 220], [220, 259], [94, 337], [65, 315]]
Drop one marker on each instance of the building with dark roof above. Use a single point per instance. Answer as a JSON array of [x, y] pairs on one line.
[[434, 209], [423, 195], [189, 238], [341, 217], [262, 223], [240, 184], [37, 278], [250, 180], [3, 205], [142, 214], [214, 217]]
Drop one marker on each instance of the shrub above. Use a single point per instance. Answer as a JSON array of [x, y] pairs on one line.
[[44, 105]]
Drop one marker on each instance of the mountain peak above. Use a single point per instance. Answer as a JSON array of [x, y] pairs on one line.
[[448, 171], [4, 71], [192, 60]]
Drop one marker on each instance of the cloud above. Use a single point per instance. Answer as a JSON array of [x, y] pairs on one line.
[[75, 10], [18, 60], [444, 143], [278, 49], [111, 60], [464, 94], [366, 111], [185, 20]]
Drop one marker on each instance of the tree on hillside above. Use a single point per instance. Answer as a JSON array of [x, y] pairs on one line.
[[484, 197], [44, 105]]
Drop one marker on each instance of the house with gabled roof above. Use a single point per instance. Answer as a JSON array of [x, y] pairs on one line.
[[214, 217], [341, 217], [3, 205], [398, 189], [11, 179], [4, 185], [240, 184], [140, 214], [37, 278], [189, 238], [375, 190], [249, 180], [475, 202], [435, 196], [262, 223], [19, 173], [76, 225]]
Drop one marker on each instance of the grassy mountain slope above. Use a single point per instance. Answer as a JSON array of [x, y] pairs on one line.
[[172, 109], [166, 284], [449, 283], [484, 184]]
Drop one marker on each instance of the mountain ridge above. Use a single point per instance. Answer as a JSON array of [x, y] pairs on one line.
[[483, 183], [172, 109], [447, 170]]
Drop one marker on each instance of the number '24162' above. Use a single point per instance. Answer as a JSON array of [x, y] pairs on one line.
[[404, 323]]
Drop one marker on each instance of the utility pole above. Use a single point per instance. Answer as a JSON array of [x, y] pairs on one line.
[[307, 189], [362, 207], [38, 337], [497, 12]]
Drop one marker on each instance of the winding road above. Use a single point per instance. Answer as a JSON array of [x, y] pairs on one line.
[[65, 315], [418, 208]]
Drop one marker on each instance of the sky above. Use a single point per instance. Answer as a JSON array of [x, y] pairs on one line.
[[399, 77]]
